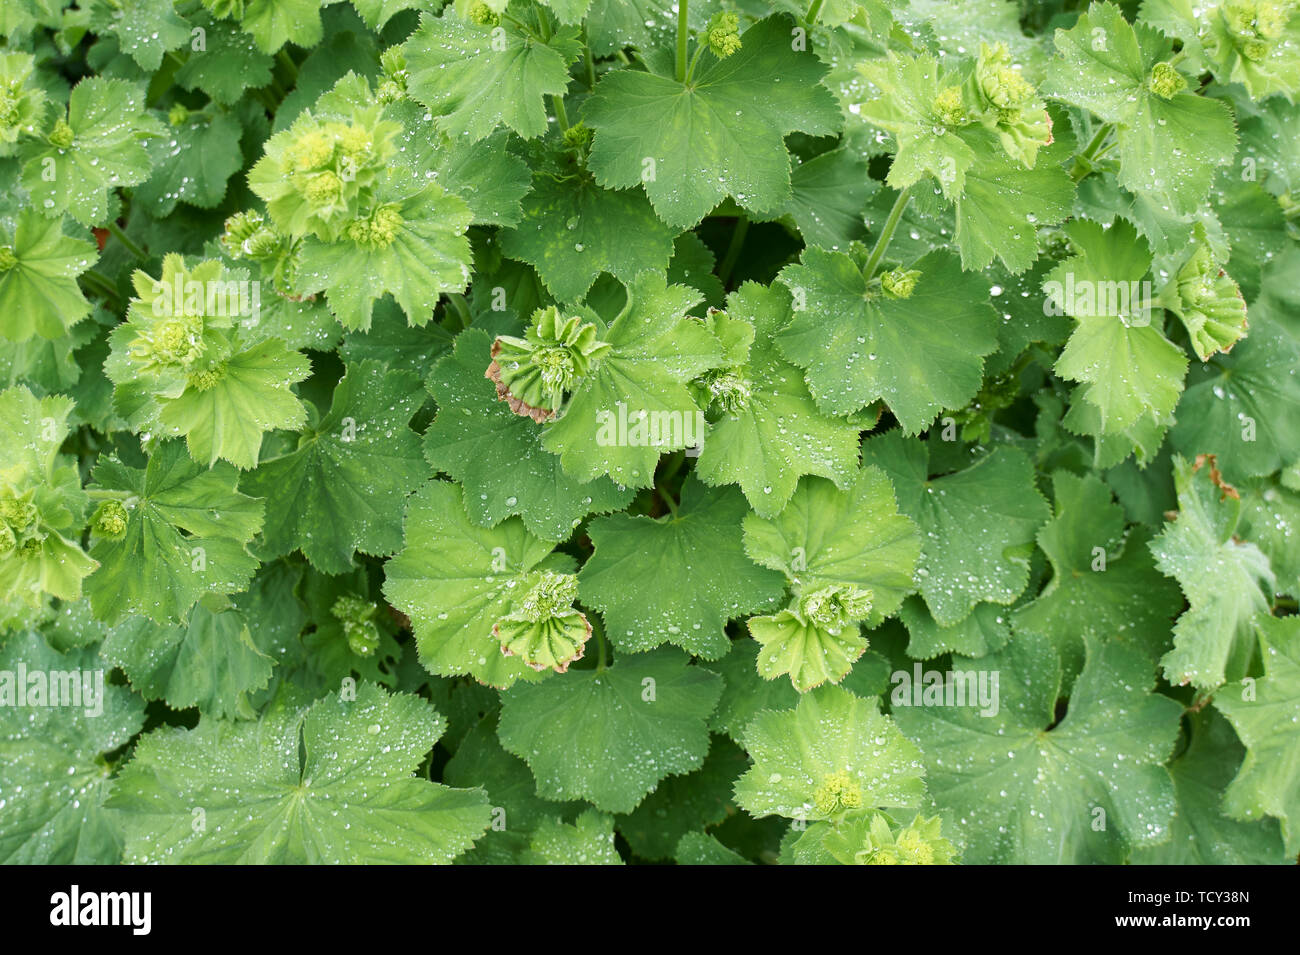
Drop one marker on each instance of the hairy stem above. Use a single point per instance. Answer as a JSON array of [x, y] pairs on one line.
[[683, 36], [131, 247], [561, 115], [100, 283], [814, 8], [290, 67], [887, 234], [1084, 162], [588, 60]]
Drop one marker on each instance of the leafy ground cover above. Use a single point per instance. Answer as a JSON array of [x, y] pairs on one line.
[[601, 431]]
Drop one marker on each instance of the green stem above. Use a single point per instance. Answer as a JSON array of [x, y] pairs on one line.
[[887, 234], [690, 70], [683, 36], [100, 283], [461, 308], [267, 99], [543, 27], [516, 23], [814, 8], [1084, 162], [561, 116], [600, 652], [290, 67], [732, 254], [131, 247], [667, 499], [589, 60]]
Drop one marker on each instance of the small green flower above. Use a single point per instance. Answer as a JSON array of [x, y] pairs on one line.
[[871, 840], [899, 283], [379, 230], [578, 137], [730, 390], [544, 630], [483, 15], [1000, 82], [208, 378], [838, 793], [356, 617], [178, 114], [18, 513], [1256, 25], [393, 86], [110, 519], [723, 34], [61, 135], [534, 372], [834, 607], [948, 106], [1166, 82]]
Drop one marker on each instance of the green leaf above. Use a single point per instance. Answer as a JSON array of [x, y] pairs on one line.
[[978, 523], [635, 405], [699, 848], [96, 149], [305, 786], [455, 580], [826, 537], [1104, 583], [273, 23], [192, 162], [684, 803], [1226, 581], [776, 434], [498, 456], [1129, 368], [485, 173], [909, 89], [1245, 407], [42, 505], [828, 194], [53, 777], [745, 693], [250, 397], [1169, 145], [422, 253], [571, 231], [228, 64], [145, 29], [1201, 833], [920, 354], [186, 535], [609, 736], [1265, 713], [992, 220], [692, 145], [985, 630], [588, 841], [691, 571], [476, 77], [343, 488], [210, 661], [833, 752], [39, 266], [1027, 788]]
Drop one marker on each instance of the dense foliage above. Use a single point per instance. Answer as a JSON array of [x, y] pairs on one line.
[[554, 431]]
